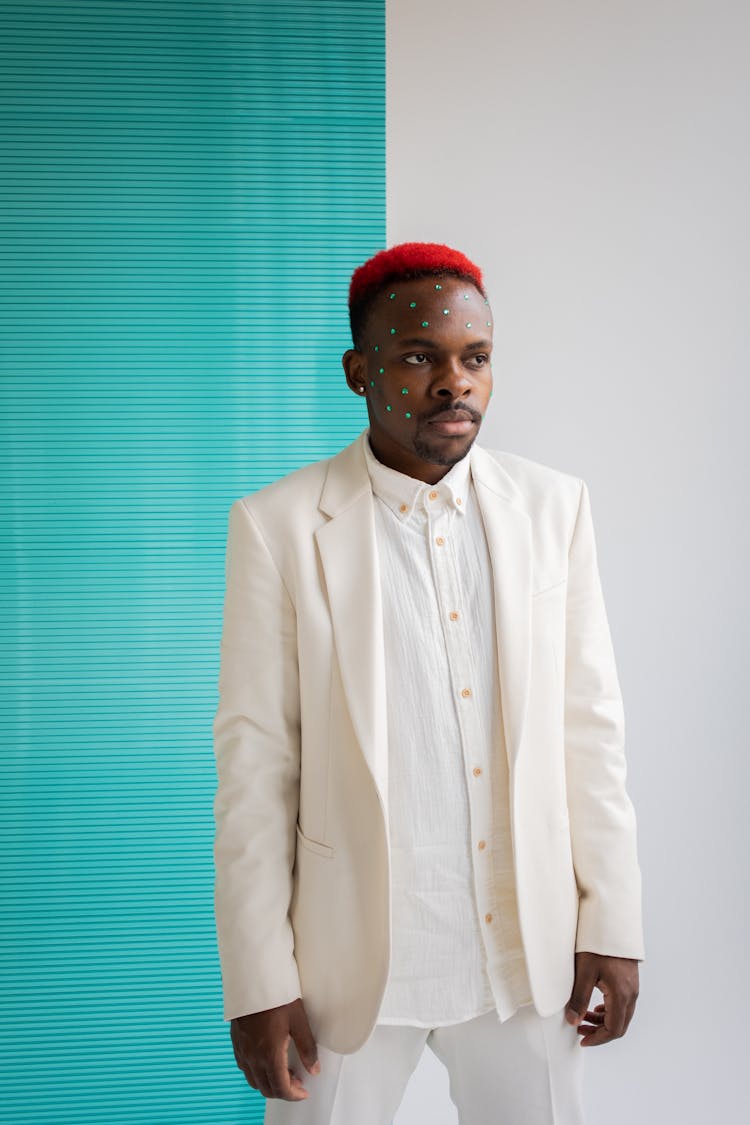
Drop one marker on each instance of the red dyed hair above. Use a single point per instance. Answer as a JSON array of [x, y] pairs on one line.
[[405, 262]]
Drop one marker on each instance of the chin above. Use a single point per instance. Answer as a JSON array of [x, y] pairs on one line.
[[444, 452]]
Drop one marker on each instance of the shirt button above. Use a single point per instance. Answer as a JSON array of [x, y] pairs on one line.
[[440, 541], [466, 692], [404, 508], [453, 615], [458, 499], [482, 845], [476, 771], [433, 495], [488, 918]]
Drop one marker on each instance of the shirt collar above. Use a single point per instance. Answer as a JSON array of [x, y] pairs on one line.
[[404, 494]]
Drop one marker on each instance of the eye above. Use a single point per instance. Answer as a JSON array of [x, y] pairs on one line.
[[416, 360], [480, 360]]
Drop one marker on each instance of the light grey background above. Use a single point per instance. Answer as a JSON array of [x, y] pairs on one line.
[[593, 157]]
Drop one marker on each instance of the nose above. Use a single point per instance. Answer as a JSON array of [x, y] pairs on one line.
[[452, 381]]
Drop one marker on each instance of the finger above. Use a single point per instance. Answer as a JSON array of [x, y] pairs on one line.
[[282, 1080], [304, 1040], [629, 1015], [590, 1021], [615, 1012], [597, 1037], [583, 985]]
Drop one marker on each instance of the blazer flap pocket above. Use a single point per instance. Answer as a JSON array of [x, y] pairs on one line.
[[313, 845]]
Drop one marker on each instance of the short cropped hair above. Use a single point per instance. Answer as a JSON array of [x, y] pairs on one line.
[[406, 262]]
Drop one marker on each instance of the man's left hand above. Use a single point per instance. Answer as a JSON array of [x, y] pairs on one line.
[[617, 979]]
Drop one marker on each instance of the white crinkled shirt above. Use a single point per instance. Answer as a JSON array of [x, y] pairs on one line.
[[456, 943]]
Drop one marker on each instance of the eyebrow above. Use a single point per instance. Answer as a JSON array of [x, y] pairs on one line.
[[422, 342]]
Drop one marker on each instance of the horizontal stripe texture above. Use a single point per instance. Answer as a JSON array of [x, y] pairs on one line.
[[186, 187]]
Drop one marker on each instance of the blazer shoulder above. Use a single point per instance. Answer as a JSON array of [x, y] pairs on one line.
[[289, 494], [538, 484]]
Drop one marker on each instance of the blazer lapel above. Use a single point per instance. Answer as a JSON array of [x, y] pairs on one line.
[[348, 555], [508, 528]]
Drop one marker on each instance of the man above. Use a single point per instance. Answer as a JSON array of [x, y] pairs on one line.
[[423, 834]]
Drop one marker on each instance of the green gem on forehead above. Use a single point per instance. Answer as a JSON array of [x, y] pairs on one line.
[[389, 408], [404, 391], [468, 324], [438, 287], [412, 304], [372, 382], [425, 324], [489, 324], [392, 296], [393, 332], [407, 415], [377, 348], [446, 311], [381, 371]]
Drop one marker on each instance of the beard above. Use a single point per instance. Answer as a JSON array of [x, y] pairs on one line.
[[435, 450]]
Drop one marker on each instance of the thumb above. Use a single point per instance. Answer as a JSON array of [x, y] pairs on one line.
[[586, 974], [304, 1039]]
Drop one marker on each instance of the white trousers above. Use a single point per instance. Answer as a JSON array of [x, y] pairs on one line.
[[526, 1071]]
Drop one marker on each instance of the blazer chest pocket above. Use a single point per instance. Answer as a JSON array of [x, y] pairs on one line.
[[313, 845]]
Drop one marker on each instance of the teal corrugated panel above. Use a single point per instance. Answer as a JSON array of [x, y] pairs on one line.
[[186, 186]]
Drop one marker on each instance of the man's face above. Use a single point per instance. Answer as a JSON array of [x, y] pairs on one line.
[[425, 366]]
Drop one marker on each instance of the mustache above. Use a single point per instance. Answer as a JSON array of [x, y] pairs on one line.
[[452, 408]]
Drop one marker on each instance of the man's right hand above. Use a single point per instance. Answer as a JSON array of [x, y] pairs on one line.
[[261, 1042]]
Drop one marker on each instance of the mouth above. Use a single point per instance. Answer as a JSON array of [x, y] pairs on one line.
[[452, 423]]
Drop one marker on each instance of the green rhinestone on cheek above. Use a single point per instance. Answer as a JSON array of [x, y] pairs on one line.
[[407, 415], [438, 287], [425, 324], [404, 391], [412, 304], [389, 408], [393, 332], [468, 324], [446, 311], [372, 382], [377, 348], [392, 296], [381, 371]]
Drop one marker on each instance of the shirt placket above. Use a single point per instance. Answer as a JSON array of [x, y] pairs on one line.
[[444, 526]]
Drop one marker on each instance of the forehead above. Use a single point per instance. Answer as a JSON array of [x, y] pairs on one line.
[[440, 304]]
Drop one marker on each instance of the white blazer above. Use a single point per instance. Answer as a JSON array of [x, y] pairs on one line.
[[300, 733]]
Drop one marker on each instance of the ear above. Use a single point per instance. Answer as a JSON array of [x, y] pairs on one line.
[[355, 366]]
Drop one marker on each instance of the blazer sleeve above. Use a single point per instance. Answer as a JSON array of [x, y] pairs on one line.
[[602, 819], [257, 748]]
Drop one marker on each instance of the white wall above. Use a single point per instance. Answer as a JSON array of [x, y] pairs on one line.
[[593, 157]]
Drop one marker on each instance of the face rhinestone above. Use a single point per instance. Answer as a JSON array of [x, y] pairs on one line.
[[438, 287], [412, 304], [425, 324], [389, 408], [381, 371], [404, 391], [393, 332], [377, 349], [489, 324], [468, 324], [407, 415], [372, 382], [392, 296], [466, 296], [446, 311]]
